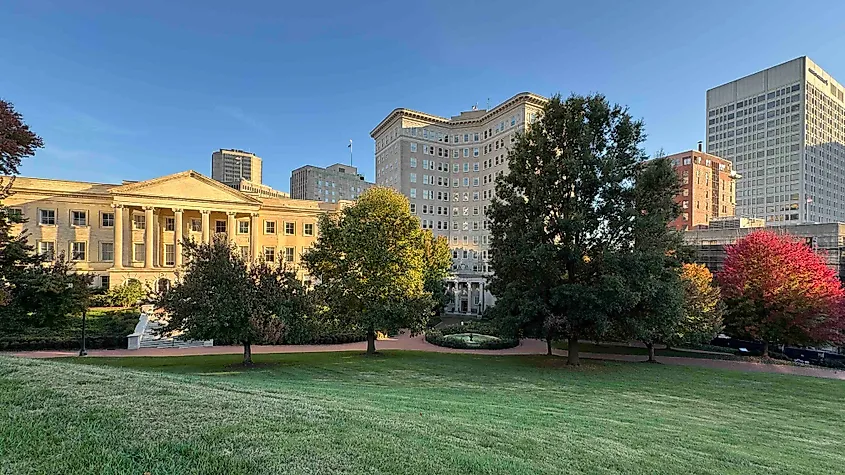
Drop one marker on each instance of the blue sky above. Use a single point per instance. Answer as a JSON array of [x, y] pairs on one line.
[[150, 88]]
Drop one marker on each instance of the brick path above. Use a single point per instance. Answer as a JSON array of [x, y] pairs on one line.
[[406, 342]]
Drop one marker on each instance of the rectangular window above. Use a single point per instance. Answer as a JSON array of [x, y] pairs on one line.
[[289, 254], [475, 152], [219, 226], [413, 192], [244, 252], [107, 220], [47, 217], [413, 162], [196, 225], [170, 254], [475, 167], [243, 227], [77, 251], [104, 281], [169, 224], [466, 152], [269, 227], [138, 252], [139, 221], [290, 228], [270, 254], [308, 229], [413, 147], [107, 251], [79, 218], [413, 177], [47, 249], [413, 208]]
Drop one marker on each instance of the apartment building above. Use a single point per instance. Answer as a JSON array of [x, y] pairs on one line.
[[784, 130], [707, 188], [329, 185], [447, 168], [135, 230]]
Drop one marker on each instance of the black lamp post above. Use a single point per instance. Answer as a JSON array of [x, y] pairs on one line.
[[83, 351]]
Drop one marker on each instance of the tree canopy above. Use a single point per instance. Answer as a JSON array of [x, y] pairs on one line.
[[779, 290], [370, 263], [561, 215], [220, 297], [703, 307]]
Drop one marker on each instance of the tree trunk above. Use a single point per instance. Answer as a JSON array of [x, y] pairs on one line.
[[247, 353], [549, 344], [765, 349], [650, 347], [572, 351], [371, 341]]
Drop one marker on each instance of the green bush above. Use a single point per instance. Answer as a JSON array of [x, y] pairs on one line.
[[130, 293], [104, 330], [473, 326], [436, 337]]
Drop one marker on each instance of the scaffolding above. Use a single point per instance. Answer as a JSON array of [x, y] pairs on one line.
[[827, 238]]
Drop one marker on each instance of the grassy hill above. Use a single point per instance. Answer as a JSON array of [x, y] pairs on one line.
[[406, 412]]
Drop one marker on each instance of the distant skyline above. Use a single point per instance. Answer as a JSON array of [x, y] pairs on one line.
[[152, 88]]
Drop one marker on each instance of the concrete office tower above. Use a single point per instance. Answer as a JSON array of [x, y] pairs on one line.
[[447, 168], [784, 130], [232, 166], [330, 184]]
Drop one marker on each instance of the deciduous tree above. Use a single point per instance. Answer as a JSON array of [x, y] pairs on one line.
[[220, 297], [369, 260], [560, 214], [437, 259], [703, 306], [30, 288], [778, 290], [651, 263]]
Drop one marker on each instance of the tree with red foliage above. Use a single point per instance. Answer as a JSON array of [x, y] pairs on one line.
[[778, 290]]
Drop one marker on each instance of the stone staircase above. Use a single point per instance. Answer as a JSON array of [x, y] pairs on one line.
[[145, 336]]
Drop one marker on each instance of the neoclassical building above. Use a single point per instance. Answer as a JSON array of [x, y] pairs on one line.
[[135, 230]]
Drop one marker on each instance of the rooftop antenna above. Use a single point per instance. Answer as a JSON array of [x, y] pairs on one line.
[[350, 152], [488, 103]]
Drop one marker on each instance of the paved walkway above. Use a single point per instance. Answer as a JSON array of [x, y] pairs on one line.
[[417, 343]]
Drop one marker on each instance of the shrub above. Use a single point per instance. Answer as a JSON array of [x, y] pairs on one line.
[[128, 294], [105, 330]]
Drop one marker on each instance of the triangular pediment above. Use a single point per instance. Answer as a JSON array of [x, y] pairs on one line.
[[188, 185]]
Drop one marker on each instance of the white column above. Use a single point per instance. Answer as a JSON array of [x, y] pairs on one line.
[[230, 225], [178, 236], [149, 241], [118, 236], [206, 225], [254, 232]]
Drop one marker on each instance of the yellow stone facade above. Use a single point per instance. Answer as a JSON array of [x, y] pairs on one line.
[[106, 229]]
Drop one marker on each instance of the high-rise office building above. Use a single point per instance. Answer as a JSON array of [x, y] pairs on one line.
[[784, 130], [330, 184], [232, 166], [447, 168]]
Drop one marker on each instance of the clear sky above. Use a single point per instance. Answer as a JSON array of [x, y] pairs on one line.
[[152, 87]]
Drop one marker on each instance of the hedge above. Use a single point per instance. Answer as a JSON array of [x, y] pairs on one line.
[[436, 337], [106, 329]]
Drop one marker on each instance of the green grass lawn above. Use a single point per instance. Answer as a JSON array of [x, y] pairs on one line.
[[615, 349], [411, 413]]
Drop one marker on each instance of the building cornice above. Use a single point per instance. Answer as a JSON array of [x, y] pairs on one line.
[[523, 97]]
